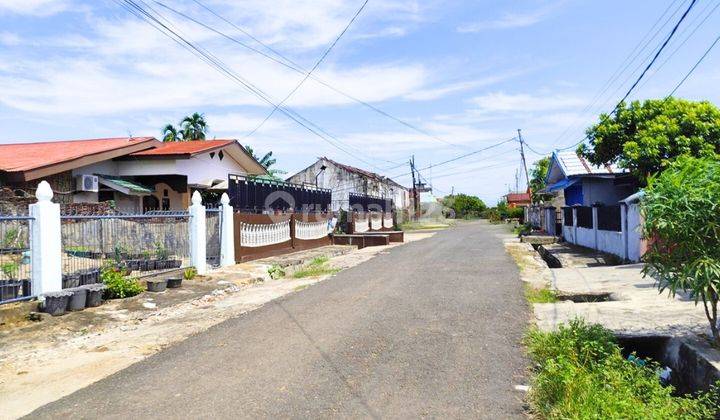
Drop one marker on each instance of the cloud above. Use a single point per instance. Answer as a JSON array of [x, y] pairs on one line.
[[34, 7], [511, 20], [500, 102], [451, 88]]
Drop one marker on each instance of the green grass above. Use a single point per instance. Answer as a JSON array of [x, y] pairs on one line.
[[544, 295], [580, 373], [316, 267]]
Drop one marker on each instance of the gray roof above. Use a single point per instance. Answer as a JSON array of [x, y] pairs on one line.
[[573, 164]]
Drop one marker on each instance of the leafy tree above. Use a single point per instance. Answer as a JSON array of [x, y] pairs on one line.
[[537, 179], [465, 205], [266, 161], [681, 208], [193, 127], [645, 137]]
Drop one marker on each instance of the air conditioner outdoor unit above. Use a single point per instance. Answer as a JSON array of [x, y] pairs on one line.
[[87, 183]]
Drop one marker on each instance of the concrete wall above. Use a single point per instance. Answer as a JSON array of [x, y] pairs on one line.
[[636, 244], [585, 237], [611, 242], [568, 233]]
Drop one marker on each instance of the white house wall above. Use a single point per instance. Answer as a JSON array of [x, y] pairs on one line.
[[202, 167]]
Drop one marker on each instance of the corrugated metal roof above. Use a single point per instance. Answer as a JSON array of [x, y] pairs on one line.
[[573, 164]]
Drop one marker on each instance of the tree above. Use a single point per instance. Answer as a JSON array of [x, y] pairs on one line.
[[170, 133], [538, 173], [266, 161], [646, 137], [682, 222], [192, 127], [465, 205]]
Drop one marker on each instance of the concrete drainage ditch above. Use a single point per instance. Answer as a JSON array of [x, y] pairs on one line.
[[691, 369], [585, 297]]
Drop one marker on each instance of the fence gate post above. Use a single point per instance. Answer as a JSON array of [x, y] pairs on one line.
[[574, 213], [198, 237], [227, 232], [595, 225], [45, 249], [624, 229]]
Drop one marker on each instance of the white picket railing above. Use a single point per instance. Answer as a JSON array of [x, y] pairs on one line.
[[387, 221], [311, 230], [361, 225], [376, 222], [256, 235]]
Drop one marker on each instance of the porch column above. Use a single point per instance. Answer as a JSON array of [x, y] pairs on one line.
[[198, 234], [45, 249], [227, 232]]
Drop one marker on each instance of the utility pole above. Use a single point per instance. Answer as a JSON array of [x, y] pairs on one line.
[[452, 191], [517, 180], [415, 194], [522, 155]]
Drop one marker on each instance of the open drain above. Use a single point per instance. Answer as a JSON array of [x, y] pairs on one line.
[[584, 297]]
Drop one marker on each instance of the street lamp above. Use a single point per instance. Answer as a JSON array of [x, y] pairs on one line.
[[322, 169]]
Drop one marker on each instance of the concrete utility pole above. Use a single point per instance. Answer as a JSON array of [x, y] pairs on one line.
[[415, 194], [522, 155]]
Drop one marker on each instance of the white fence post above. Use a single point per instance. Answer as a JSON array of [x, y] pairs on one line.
[[595, 225], [198, 234], [45, 249], [624, 229], [574, 213], [227, 232]]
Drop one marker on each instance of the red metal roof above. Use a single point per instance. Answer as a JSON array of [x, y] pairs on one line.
[[518, 198], [185, 148], [19, 157]]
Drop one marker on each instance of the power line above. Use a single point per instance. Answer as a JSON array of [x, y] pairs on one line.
[[290, 64], [309, 73], [207, 57], [695, 66]]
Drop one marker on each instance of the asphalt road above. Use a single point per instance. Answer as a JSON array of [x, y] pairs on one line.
[[429, 329]]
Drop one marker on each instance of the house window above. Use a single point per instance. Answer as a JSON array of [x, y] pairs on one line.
[[221, 155], [106, 196]]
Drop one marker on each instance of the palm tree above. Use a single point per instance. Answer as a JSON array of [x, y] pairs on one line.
[[170, 133], [266, 161], [194, 127]]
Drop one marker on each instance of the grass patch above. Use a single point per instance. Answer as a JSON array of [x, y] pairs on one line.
[[543, 295], [423, 226], [275, 272], [580, 373], [316, 267], [301, 287]]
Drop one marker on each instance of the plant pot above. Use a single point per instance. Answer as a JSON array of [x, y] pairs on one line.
[[94, 276], [156, 285], [175, 264], [174, 282], [151, 265], [26, 287], [9, 289], [71, 280], [77, 300], [142, 265], [94, 295], [56, 303]]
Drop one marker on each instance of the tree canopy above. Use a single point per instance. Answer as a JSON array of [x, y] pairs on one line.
[[538, 172], [192, 127], [682, 222], [465, 205], [266, 161], [645, 137]]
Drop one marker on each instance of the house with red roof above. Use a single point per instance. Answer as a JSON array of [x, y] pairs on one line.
[[518, 199], [347, 181], [135, 173]]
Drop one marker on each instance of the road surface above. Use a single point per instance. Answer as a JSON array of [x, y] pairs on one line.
[[432, 328]]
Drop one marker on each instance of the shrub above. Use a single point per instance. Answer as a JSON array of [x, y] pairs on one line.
[[119, 285], [189, 273], [581, 373], [276, 272], [682, 219]]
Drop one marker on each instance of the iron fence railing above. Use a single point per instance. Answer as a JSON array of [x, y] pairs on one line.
[[213, 230], [366, 203], [255, 195], [141, 243], [568, 216], [15, 267], [609, 218], [584, 217]]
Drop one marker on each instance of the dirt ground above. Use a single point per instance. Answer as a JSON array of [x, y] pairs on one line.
[[44, 361]]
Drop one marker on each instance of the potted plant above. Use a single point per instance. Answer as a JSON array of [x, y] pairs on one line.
[[161, 254], [56, 303]]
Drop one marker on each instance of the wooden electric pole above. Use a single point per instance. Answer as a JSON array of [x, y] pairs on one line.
[[414, 190], [522, 155]]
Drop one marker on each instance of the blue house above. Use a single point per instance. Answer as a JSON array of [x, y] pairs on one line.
[[585, 184]]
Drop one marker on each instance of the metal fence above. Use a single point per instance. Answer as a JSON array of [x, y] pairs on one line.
[[141, 243], [568, 216], [15, 267], [609, 218], [364, 202], [584, 217], [254, 195], [213, 229]]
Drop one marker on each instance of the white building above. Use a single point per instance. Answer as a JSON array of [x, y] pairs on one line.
[[344, 180]]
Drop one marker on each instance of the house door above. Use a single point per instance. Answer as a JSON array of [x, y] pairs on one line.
[[150, 202]]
